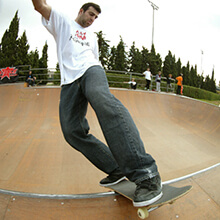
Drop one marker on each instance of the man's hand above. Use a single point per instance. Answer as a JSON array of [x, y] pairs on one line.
[[42, 7]]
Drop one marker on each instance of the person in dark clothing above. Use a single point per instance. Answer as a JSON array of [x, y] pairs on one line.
[[169, 86], [30, 79]]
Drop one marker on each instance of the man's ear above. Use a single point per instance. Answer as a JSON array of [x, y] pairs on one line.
[[81, 11]]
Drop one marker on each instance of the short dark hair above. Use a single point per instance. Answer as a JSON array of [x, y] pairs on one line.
[[95, 6]]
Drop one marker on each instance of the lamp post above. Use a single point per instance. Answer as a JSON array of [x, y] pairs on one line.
[[201, 61], [155, 7]]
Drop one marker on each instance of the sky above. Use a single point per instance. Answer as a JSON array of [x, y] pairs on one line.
[[190, 29]]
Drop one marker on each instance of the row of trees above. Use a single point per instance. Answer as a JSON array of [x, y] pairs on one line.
[[135, 60], [14, 51]]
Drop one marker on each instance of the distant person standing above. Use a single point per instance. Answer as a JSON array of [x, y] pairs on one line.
[[169, 86], [179, 83], [158, 81], [148, 75]]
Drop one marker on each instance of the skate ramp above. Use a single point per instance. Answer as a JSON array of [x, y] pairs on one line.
[[182, 135], [203, 202]]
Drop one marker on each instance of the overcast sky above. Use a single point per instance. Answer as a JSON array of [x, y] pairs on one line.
[[185, 27]]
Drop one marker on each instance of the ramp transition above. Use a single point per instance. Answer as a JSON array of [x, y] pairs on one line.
[[182, 134]]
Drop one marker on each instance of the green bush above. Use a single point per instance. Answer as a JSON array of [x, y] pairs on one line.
[[199, 93]]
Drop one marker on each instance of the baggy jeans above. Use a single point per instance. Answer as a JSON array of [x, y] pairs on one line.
[[125, 150]]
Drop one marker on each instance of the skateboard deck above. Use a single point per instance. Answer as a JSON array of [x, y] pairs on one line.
[[170, 194]]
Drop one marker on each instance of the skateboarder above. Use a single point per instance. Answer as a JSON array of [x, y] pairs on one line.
[[83, 81]]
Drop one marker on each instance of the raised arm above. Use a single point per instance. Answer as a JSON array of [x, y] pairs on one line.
[[42, 7]]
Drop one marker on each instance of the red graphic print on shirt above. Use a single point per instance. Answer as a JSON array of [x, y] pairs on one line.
[[81, 35]]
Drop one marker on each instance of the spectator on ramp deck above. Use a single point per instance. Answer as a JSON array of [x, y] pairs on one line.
[[179, 83], [148, 76], [30, 79]]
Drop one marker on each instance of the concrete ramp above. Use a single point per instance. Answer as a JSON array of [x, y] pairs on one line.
[[182, 134]]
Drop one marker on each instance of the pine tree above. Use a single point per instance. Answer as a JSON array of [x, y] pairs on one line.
[[9, 44], [44, 58], [155, 61], [145, 59], [167, 65], [170, 65], [135, 59], [179, 67], [43, 64], [121, 56], [201, 81], [103, 49], [22, 52], [206, 84], [213, 85], [33, 58], [112, 59], [192, 81], [186, 75], [57, 75]]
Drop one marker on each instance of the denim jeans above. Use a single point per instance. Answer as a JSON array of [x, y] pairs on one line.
[[125, 148]]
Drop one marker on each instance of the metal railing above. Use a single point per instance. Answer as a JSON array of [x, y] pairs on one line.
[[115, 78]]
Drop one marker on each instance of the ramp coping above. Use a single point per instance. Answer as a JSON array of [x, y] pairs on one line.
[[93, 195], [190, 175]]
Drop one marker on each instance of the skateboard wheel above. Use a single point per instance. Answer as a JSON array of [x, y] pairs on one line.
[[142, 213]]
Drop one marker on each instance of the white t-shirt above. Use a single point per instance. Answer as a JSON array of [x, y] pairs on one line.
[[77, 47], [147, 75], [132, 82]]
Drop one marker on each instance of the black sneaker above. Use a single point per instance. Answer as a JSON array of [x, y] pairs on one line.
[[112, 179], [148, 192]]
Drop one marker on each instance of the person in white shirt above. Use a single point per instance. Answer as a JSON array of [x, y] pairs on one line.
[[84, 81], [148, 76], [132, 83]]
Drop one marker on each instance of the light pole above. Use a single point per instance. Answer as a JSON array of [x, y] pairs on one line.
[[154, 8], [201, 61]]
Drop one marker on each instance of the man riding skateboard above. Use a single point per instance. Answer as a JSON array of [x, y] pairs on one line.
[[83, 81]]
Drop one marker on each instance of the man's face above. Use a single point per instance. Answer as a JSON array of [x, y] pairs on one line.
[[85, 19]]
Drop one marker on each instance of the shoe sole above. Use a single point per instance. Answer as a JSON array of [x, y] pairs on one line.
[[148, 202], [114, 183]]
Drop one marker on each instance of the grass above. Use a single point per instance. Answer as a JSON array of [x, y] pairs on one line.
[[216, 102]]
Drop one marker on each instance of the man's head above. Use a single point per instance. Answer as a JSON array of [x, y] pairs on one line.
[[86, 6], [87, 14]]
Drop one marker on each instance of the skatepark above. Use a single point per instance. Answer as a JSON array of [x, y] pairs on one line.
[[42, 177]]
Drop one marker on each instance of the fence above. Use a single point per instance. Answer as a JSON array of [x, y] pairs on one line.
[[121, 79], [50, 76]]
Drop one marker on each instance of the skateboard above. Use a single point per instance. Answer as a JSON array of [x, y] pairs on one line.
[[170, 194]]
